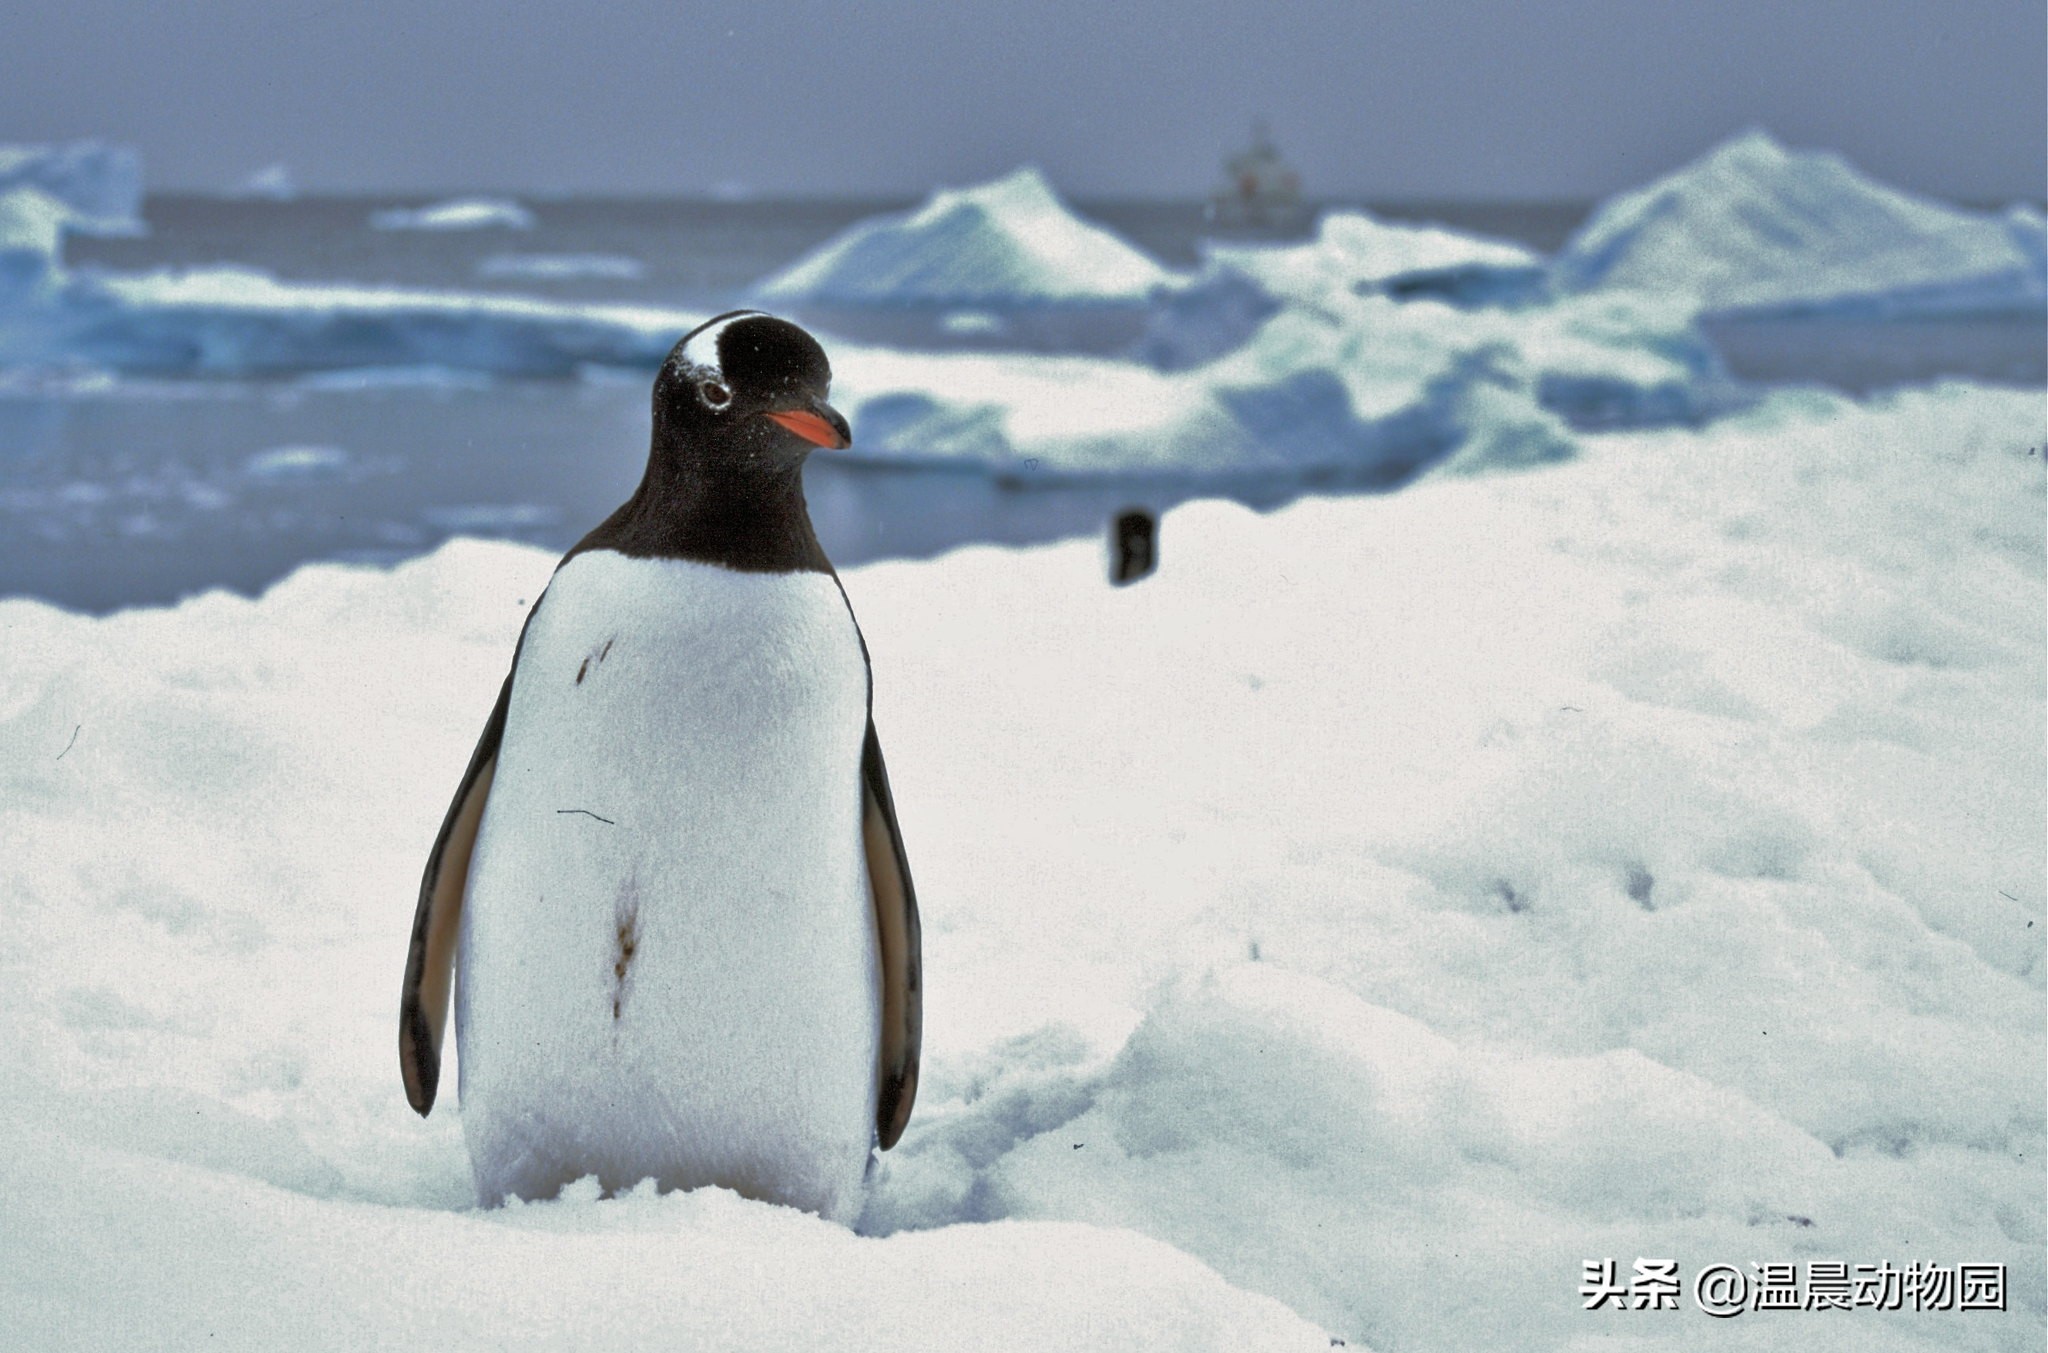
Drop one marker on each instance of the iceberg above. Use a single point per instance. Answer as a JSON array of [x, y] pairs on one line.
[[101, 184], [1753, 229], [1003, 245], [462, 213]]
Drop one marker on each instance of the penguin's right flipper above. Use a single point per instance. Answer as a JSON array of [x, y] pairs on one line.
[[430, 963], [898, 939]]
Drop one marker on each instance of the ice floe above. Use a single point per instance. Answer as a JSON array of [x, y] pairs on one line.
[[32, 226], [562, 267], [1391, 905], [240, 322], [100, 183], [1239, 286], [461, 213], [1358, 389], [272, 183], [1754, 228], [1356, 252]]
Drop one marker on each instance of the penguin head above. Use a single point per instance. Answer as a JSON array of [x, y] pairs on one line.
[[747, 387]]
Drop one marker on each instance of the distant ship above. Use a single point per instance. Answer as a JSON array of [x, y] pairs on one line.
[[1260, 190]]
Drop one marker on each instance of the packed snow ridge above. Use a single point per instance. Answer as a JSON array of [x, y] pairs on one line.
[[1636, 856], [1008, 243], [462, 213], [1754, 228]]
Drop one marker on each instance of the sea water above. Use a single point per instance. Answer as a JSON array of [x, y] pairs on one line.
[[119, 492]]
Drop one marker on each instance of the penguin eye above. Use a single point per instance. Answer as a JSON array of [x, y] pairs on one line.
[[715, 394]]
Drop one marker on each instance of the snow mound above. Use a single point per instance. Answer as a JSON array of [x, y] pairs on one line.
[[1005, 244], [1361, 389], [1754, 228], [237, 322], [461, 213], [101, 184], [1393, 903]]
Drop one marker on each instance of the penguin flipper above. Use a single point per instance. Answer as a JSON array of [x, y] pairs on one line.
[[901, 947], [430, 962]]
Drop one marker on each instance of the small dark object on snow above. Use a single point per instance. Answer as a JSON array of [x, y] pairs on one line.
[[1133, 545]]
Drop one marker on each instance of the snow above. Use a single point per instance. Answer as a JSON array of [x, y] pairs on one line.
[[1755, 228], [101, 184], [1005, 244], [1358, 388], [460, 213], [1388, 906]]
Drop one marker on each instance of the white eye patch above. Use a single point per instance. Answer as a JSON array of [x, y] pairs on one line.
[[701, 351]]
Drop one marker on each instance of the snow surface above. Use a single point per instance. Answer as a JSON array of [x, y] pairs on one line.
[[1007, 243], [1358, 388], [1392, 904], [1755, 228], [461, 213], [102, 184]]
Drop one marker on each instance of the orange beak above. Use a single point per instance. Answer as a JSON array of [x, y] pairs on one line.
[[829, 432]]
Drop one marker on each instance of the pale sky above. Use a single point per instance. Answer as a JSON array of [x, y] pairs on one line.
[[1379, 99]]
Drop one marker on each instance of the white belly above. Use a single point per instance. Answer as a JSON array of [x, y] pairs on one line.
[[668, 962]]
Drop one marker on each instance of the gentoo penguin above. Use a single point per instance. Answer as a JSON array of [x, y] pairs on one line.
[[671, 877]]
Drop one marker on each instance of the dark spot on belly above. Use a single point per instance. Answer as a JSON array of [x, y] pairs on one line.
[[626, 917], [583, 670], [1640, 884]]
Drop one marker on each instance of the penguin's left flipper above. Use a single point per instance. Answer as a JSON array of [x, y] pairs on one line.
[[430, 962], [897, 929]]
